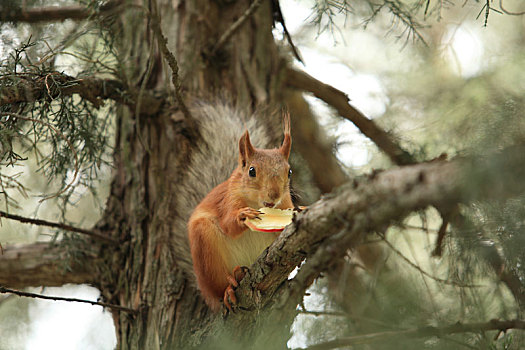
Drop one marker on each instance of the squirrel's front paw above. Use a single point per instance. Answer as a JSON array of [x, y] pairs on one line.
[[248, 213]]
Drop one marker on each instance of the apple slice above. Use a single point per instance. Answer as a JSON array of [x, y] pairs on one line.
[[271, 220]]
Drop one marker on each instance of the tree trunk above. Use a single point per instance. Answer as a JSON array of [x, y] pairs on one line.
[[151, 152]]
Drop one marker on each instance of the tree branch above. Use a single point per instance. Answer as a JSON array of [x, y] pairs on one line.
[[43, 264], [52, 13], [327, 229], [369, 205], [339, 100], [384, 141], [493, 325], [35, 87], [46, 297], [61, 226]]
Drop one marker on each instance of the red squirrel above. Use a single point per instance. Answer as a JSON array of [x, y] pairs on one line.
[[220, 241]]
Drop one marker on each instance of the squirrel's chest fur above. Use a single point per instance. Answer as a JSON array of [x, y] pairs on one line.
[[245, 249]]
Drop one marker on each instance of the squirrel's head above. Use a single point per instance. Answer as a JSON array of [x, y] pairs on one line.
[[265, 173]]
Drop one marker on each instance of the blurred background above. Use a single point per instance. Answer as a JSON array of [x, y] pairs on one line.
[[444, 79]]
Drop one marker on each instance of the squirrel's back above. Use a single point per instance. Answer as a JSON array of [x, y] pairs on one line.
[[211, 163]]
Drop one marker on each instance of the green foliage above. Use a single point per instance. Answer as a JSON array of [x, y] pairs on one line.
[[66, 134], [408, 17]]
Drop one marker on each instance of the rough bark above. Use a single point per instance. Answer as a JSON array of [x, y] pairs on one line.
[[152, 151]]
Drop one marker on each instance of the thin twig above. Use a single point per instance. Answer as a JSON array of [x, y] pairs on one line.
[[62, 226], [323, 313], [70, 145], [278, 17], [402, 256], [493, 325], [236, 25], [40, 296]]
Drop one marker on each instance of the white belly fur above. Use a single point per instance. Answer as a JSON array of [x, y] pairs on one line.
[[246, 249]]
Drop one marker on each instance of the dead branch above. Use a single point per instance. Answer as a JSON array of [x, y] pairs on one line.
[[75, 300], [493, 325], [58, 225]]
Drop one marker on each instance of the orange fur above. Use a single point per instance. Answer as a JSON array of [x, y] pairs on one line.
[[219, 239]]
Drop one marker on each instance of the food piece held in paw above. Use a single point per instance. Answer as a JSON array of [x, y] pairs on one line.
[[271, 220]]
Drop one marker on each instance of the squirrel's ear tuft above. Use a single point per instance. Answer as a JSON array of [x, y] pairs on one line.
[[246, 149], [287, 142]]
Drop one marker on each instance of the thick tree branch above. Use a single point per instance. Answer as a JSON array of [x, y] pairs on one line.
[[58, 225], [339, 100], [52, 13], [385, 142], [75, 300], [327, 229], [35, 87], [493, 325], [43, 264], [369, 205]]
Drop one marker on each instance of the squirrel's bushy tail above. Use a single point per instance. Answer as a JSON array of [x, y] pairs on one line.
[[211, 163]]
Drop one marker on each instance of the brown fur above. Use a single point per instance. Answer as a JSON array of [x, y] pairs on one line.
[[219, 239]]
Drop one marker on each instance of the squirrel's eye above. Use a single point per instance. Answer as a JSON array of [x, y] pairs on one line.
[[251, 172], [289, 173]]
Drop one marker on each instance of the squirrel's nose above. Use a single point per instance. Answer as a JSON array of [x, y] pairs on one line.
[[269, 205], [273, 195]]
